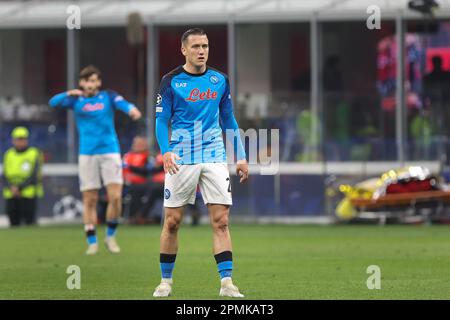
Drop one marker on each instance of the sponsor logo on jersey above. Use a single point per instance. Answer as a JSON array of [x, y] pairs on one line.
[[181, 84], [214, 79], [196, 95], [88, 107]]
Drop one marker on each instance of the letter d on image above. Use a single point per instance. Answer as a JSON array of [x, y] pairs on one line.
[[374, 280], [74, 280]]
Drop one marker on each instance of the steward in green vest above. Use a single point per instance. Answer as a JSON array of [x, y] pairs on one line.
[[22, 178]]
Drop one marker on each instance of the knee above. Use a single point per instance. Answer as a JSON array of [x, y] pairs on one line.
[[172, 224], [220, 222], [115, 199], [91, 201]]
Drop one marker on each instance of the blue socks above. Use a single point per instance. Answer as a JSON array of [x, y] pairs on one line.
[[90, 234], [167, 263], [112, 228], [224, 262]]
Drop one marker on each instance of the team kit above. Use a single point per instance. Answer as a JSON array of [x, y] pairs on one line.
[[194, 104]]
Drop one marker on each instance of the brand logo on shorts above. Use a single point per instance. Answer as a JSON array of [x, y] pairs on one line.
[[166, 194]]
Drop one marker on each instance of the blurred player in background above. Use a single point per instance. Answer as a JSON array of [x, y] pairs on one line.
[[144, 178], [193, 98], [22, 178], [99, 152]]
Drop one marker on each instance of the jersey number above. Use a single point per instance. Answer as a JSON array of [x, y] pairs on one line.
[[229, 184]]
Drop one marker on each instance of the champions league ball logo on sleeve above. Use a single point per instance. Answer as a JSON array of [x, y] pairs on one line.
[[158, 103], [158, 99]]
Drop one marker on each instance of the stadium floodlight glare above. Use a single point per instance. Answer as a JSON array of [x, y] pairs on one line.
[[426, 7]]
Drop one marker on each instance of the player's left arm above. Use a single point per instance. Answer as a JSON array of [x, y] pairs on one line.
[[228, 122], [123, 105]]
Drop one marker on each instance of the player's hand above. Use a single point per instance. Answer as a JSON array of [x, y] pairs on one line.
[[75, 92], [135, 114], [170, 165], [242, 170]]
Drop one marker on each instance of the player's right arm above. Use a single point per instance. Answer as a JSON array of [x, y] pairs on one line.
[[65, 99], [164, 103]]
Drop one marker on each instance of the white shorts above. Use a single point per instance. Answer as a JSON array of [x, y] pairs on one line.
[[213, 179], [93, 169]]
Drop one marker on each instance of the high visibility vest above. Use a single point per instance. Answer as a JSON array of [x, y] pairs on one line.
[[18, 167]]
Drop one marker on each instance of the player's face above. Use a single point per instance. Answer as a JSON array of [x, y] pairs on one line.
[[196, 50], [91, 85]]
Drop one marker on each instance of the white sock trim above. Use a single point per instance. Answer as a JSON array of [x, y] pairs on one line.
[[88, 227]]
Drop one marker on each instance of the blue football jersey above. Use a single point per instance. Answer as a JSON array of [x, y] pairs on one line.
[[195, 103], [94, 118]]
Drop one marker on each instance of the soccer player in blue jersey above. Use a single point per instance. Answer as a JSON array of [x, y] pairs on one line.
[[99, 152], [196, 100]]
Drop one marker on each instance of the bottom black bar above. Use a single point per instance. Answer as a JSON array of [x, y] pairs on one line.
[[226, 309]]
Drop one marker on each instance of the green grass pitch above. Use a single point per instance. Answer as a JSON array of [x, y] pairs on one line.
[[270, 262]]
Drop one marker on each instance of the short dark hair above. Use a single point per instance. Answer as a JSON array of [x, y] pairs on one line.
[[193, 31], [88, 71]]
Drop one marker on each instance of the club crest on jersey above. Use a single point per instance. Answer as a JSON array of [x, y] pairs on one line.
[[196, 95], [214, 79]]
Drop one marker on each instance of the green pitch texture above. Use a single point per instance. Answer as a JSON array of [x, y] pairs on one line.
[[270, 262]]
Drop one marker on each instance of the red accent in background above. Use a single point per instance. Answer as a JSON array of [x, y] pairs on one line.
[[388, 103], [299, 54], [444, 53], [54, 66]]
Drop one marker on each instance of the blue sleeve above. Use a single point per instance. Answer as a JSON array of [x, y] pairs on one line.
[[162, 134], [228, 121], [164, 99], [62, 100], [119, 102]]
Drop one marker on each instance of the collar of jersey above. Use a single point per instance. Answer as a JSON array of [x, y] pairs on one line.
[[94, 96], [195, 74]]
